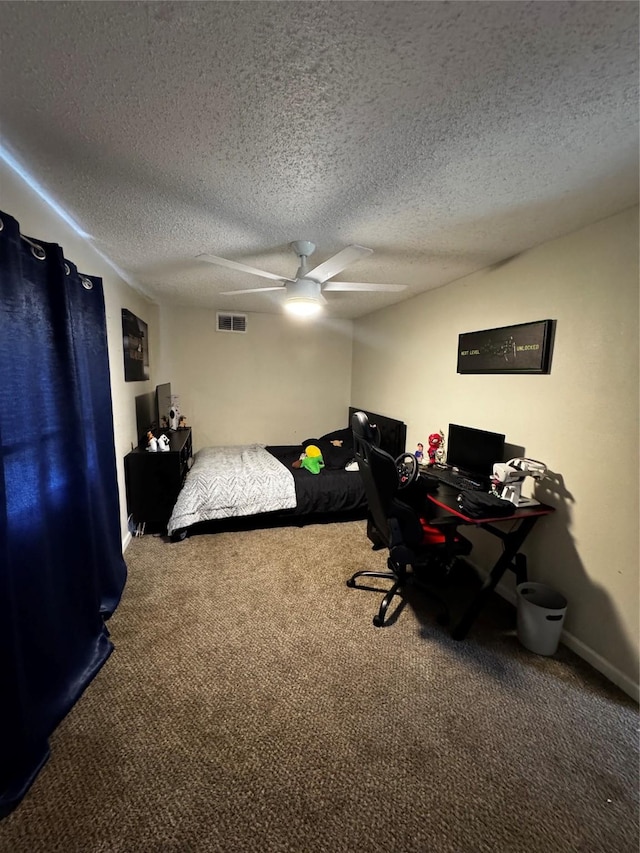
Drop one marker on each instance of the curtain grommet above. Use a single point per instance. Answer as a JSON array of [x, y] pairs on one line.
[[86, 283]]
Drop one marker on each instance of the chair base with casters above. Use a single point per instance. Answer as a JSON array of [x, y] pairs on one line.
[[401, 579], [405, 568]]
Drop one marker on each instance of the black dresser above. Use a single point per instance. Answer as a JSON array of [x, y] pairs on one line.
[[153, 480]]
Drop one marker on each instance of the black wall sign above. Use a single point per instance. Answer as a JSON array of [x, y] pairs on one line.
[[525, 348]]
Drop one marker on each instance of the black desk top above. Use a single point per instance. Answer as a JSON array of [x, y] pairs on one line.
[[446, 498]]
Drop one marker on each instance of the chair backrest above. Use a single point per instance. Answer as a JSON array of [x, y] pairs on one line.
[[378, 471]]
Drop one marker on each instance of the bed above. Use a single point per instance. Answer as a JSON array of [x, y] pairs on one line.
[[242, 487]]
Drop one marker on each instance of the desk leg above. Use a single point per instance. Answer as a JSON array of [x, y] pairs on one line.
[[520, 568], [512, 544]]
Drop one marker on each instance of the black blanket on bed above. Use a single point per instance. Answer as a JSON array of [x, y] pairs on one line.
[[333, 490]]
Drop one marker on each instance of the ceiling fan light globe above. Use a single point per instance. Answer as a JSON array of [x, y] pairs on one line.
[[303, 306]]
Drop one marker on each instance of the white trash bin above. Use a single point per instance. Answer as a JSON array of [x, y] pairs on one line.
[[541, 612]]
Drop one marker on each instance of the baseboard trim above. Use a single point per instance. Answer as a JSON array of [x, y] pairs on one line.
[[581, 649], [601, 664], [126, 541]]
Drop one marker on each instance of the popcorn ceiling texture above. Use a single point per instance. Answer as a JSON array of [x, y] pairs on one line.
[[445, 136]]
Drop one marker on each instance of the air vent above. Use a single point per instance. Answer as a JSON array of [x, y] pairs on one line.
[[231, 322]]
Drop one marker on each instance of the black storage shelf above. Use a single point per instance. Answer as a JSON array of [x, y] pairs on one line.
[[153, 480]]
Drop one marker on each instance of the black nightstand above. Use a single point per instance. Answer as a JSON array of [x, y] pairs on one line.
[[153, 480]]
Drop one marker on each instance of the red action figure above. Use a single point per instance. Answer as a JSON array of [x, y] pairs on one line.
[[435, 440]]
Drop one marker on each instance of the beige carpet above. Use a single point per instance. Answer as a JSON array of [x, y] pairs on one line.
[[250, 705]]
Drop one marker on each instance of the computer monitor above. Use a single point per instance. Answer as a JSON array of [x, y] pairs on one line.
[[474, 450]]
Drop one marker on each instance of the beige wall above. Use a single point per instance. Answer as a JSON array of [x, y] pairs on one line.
[[582, 419], [281, 382], [37, 219]]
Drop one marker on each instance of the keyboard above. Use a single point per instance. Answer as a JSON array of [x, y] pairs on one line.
[[457, 479]]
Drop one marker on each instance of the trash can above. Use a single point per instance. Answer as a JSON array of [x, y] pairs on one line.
[[541, 612]]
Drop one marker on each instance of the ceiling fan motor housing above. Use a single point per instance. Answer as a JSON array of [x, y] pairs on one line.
[[303, 288]]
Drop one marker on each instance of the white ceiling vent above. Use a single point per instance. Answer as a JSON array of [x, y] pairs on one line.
[[231, 322]]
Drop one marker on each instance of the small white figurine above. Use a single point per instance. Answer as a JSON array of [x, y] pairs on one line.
[[174, 413], [152, 442], [163, 443]]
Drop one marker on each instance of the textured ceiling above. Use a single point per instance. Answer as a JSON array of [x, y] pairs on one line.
[[444, 136]]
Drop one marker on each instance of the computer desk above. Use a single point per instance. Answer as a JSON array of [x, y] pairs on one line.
[[447, 510]]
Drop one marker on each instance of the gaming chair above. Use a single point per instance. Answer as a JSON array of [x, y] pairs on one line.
[[397, 520]]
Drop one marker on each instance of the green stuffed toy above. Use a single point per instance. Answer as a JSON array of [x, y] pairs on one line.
[[311, 459]]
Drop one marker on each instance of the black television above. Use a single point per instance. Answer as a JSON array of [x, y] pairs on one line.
[[474, 450], [146, 416], [163, 402]]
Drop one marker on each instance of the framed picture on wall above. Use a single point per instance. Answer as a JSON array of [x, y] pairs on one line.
[[135, 340], [525, 348]]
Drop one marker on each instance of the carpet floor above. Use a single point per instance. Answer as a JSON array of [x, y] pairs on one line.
[[250, 706]]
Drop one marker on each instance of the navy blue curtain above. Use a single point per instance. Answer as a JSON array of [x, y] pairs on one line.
[[61, 570]]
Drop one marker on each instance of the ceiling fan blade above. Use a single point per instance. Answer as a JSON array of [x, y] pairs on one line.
[[356, 285], [251, 290], [337, 263], [234, 265]]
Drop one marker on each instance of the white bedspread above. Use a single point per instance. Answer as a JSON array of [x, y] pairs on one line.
[[232, 481]]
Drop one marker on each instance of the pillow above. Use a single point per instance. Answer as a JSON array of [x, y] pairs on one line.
[[307, 441], [343, 435], [336, 457]]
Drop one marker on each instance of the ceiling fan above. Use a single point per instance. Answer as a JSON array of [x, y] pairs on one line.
[[304, 293]]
